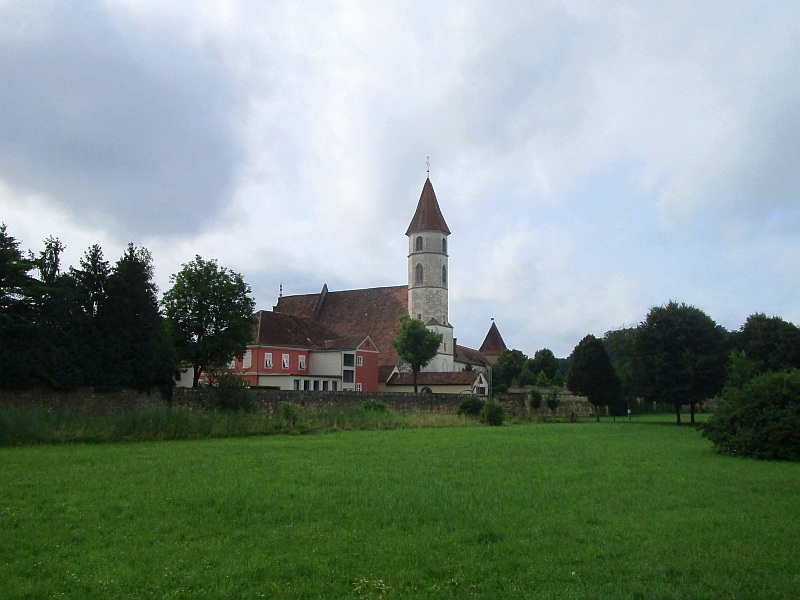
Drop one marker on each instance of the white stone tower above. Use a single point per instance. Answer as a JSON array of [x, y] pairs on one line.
[[428, 274]]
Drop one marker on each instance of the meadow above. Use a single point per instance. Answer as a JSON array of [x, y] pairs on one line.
[[586, 510]]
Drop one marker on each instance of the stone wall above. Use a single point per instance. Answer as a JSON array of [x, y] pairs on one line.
[[268, 400]]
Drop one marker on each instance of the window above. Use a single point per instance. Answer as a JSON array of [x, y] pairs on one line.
[[301, 363], [268, 360], [297, 384], [247, 362], [358, 387], [285, 361], [426, 390], [334, 386], [347, 376], [444, 245], [306, 384], [324, 386], [418, 244], [360, 361], [232, 364], [316, 385], [348, 360], [177, 375], [418, 274], [444, 276]]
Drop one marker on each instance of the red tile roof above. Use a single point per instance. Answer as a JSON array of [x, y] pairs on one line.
[[373, 312], [428, 216], [278, 329], [493, 345], [425, 378], [470, 356]]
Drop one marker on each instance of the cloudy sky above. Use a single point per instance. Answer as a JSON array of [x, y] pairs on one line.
[[592, 159]]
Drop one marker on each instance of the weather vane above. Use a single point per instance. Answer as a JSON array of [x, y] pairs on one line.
[[428, 162]]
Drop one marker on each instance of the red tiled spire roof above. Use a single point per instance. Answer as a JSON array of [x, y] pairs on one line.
[[428, 216], [493, 345]]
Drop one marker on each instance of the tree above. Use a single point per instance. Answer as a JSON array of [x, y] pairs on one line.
[[416, 344], [509, 366], [770, 342], [679, 357], [210, 315], [544, 361], [137, 351], [591, 373], [619, 344]]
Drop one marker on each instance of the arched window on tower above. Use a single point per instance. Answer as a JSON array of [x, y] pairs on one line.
[[444, 245], [418, 274], [418, 244], [444, 276]]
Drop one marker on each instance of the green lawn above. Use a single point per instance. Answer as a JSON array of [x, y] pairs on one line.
[[615, 510]]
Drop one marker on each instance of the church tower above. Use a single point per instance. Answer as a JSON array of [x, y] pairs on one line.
[[428, 274]]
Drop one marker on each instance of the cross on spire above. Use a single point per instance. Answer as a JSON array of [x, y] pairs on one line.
[[428, 162]]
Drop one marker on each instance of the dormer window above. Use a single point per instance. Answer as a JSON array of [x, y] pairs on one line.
[[444, 245], [418, 244]]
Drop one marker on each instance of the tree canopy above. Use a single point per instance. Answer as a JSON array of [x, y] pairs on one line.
[[680, 356], [770, 342], [416, 344], [544, 361], [508, 367], [591, 373], [210, 315]]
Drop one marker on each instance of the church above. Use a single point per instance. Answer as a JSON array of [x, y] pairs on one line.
[[341, 340]]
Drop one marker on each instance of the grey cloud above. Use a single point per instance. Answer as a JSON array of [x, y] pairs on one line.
[[123, 126]]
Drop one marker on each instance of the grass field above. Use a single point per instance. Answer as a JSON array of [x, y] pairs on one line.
[[615, 510]]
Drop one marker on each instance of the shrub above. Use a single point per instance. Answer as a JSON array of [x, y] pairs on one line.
[[290, 412], [493, 413], [231, 393], [536, 400], [471, 406], [374, 405], [553, 400], [761, 419]]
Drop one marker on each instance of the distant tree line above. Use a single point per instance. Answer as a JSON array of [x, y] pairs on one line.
[[677, 356], [101, 325]]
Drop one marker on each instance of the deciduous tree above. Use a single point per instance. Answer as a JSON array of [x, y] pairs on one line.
[[416, 344], [680, 356], [544, 361], [210, 315]]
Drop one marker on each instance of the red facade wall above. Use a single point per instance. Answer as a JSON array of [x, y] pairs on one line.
[[367, 373], [257, 365]]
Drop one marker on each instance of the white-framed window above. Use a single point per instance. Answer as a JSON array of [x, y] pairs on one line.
[[268, 360], [360, 361], [358, 387], [316, 385], [232, 364], [297, 384], [306, 384], [285, 361], [301, 363], [324, 386], [334, 386], [348, 375], [247, 360]]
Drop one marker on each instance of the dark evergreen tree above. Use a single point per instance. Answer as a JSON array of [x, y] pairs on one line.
[[19, 354], [680, 355], [137, 351], [591, 373]]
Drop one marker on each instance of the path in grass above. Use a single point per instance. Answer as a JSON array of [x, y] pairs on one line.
[[563, 511]]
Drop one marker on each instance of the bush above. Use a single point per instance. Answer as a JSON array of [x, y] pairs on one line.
[[761, 419], [231, 393], [374, 405], [290, 412], [493, 413], [471, 406], [536, 400], [553, 400]]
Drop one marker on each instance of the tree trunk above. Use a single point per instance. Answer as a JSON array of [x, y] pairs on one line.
[[692, 405], [678, 412], [196, 375], [415, 379]]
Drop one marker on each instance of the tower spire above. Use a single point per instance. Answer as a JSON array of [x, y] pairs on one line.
[[428, 162]]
